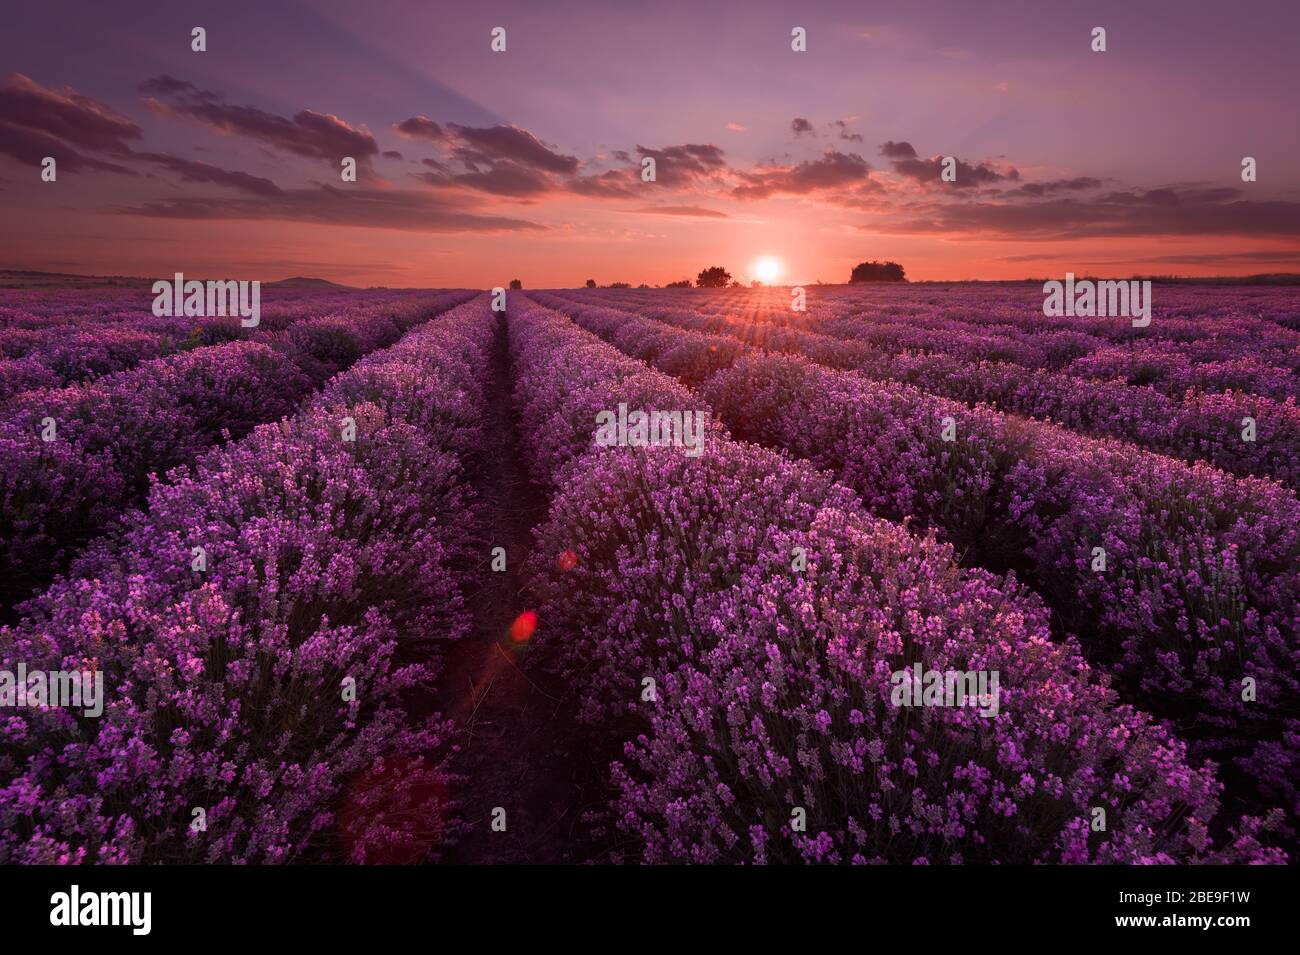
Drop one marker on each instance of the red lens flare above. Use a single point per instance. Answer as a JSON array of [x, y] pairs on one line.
[[522, 629]]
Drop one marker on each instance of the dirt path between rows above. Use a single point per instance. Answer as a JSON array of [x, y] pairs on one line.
[[520, 749]]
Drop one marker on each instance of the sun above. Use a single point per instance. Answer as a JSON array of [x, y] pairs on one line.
[[767, 269]]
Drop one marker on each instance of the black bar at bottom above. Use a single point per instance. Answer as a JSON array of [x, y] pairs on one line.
[[294, 904]]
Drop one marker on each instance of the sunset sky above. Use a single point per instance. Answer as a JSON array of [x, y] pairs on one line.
[[477, 167]]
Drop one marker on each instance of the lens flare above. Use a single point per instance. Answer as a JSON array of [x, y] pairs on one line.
[[522, 629]]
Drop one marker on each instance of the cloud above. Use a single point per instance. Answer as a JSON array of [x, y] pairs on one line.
[[36, 121], [493, 143], [698, 212], [1076, 184], [1171, 196], [736, 127], [170, 86], [892, 150], [834, 170], [510, 161], [1215, 258], [420, 127], [927, 172], [308, 133], [684, 164], [66, 115], [31, 146], [845, 133], [799, 126], [369, 208], [391, 154], [1170, 211], [1260, 256], [503, 178], [614, 184], [193, 171], [501, 160]]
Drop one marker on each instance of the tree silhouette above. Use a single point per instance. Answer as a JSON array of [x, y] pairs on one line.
[[515, 283], [716, 277], [591, 283], [683, 283], [874, 271]]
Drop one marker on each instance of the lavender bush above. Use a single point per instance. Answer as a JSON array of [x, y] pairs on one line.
[[326, 560], [775, 682]]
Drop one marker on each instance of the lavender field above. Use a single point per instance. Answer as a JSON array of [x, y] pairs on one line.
[[653, 575]]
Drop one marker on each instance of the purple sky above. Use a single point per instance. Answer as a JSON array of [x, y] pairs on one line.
[[526, 163]]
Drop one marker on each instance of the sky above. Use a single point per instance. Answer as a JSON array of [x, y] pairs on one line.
[[475, 167]]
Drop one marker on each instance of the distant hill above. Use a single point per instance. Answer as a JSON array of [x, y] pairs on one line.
[[299, 281]]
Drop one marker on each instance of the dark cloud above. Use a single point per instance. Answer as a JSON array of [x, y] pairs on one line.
[[391, 154], [698, 212], [170, 86], [1251, 256], [308, 133], [845, 134], [1171, 196], [834, 170], [36, 121], [192, 171], [684, 164], [892, 150], [503, 178], [493, 143], [614, 184], [1156, 212], [420, 127], [1077, 184], [799, 126], [371, 208], [927, 172], [1215, 258], [499, 160], [66, 115], [30, 147]]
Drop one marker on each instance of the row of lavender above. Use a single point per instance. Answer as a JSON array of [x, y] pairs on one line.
[[767, 732], [1244, 433], [1207, 340], [1175, 355], [73, 458], [258, 704], [64, 337], [1180, 580], [1210, 322]]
